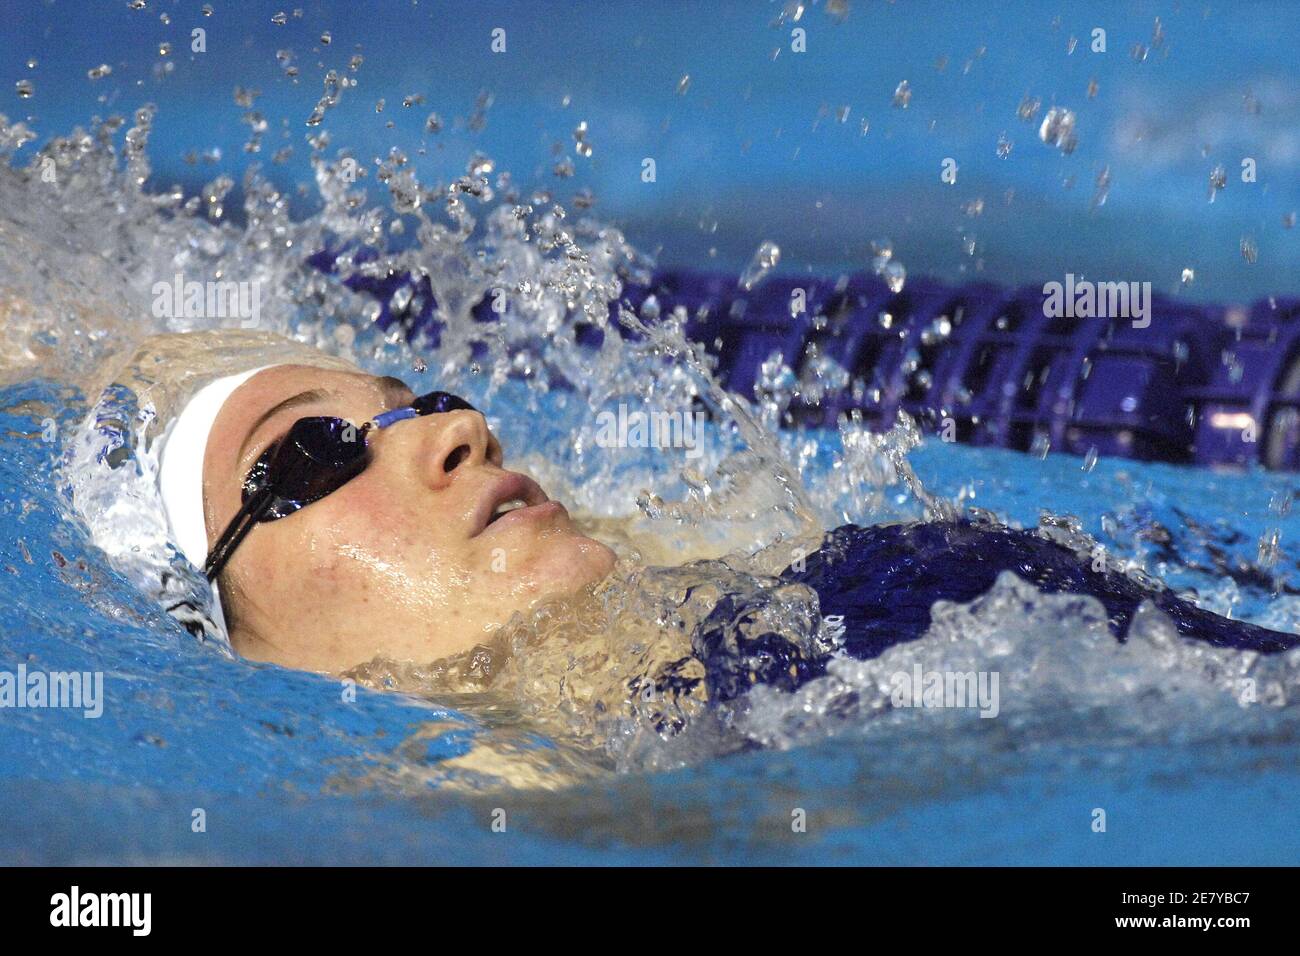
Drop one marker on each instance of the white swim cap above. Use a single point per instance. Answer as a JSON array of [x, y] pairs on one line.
[[134, 471], [180, 471]]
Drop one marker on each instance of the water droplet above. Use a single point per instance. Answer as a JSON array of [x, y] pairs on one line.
[[1004, 146], [894, 275], [792, 11], [25, 88], [885, 266], [400, 300], [329, 99], [683, 84], [1057, 129], [433, 123], [1090, 460], [1249, 251], [280, 19], [1218, 179], [902, 95], [1189, 276], [98, 72], [207, 10], [1028, 109], [285, 59], [419, 366], [478, 119], [1269, 547], [580, 137], [1103, 188], [164, 49], [764, 261]]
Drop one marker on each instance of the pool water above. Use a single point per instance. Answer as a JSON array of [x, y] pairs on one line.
[[285, 769], [1156, 751]]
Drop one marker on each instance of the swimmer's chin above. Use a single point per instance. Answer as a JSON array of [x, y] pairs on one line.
[[603, 557], [577, 564], [599, 558]]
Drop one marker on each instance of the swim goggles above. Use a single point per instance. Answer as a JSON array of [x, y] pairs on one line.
[[316, 457]]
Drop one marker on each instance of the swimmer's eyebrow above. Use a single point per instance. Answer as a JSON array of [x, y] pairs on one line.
[[293, 401], [395, 391]]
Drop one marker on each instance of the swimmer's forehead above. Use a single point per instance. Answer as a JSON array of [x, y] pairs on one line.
[[274, 393], [274, 386]]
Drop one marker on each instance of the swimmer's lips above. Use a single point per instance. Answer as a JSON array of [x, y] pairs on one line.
[[513, 487]]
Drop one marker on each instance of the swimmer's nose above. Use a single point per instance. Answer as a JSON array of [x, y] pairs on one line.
[[454, 440]]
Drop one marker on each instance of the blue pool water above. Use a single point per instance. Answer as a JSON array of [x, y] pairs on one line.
[[277, 761], [200, 757]]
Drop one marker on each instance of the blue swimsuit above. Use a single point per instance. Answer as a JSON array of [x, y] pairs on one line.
[[883, 580]]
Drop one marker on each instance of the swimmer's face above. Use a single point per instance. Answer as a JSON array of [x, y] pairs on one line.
[[406, 560]]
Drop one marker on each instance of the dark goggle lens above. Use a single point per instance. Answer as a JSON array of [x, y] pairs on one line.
[[317, 457], [320, 455], [439, 402]]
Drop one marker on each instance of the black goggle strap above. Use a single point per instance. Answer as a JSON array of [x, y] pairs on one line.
[[248, 515]]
